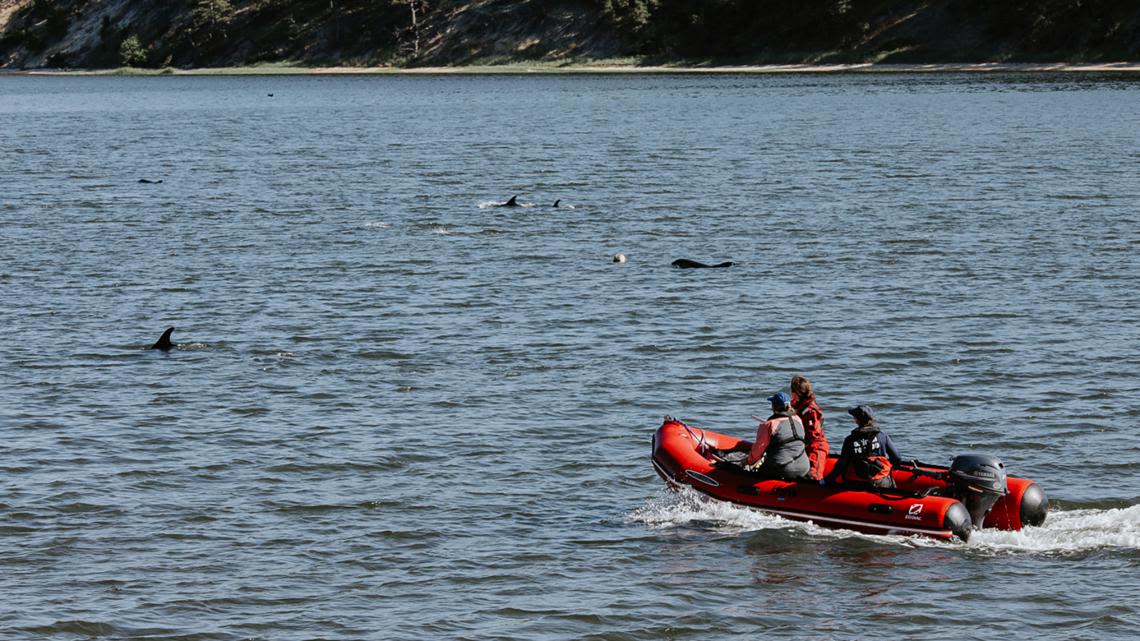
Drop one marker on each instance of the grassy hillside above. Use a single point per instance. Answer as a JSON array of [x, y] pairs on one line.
[[218, 33]]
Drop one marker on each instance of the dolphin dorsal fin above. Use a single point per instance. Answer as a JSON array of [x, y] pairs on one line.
[[511, 202], [556, 202], [164, 342]]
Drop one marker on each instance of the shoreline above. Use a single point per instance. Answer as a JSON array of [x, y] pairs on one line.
[[601, 68]]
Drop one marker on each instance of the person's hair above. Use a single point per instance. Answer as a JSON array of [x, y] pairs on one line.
[[801, 387]]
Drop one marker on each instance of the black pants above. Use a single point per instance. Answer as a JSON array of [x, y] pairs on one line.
[[885, 483]]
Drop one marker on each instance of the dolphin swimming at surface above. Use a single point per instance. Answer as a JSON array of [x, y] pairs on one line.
[[685, 263], [513, 202]]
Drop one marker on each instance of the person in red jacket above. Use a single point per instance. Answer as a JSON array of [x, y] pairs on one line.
[[779, 447], [803, 402]]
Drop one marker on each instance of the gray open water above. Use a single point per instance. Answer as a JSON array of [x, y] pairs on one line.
[[399, 412]]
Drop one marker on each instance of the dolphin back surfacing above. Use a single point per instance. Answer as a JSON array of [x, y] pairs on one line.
[[685, 263]]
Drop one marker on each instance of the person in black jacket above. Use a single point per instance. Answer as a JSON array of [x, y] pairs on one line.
[[868, 454]]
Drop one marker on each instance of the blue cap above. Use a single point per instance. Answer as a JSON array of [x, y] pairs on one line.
[[780, 399], [862, 413]]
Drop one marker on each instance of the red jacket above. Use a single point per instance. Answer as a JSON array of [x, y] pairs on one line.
[[817, 448]]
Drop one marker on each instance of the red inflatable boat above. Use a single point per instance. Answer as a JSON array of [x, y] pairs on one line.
[[928, 500]]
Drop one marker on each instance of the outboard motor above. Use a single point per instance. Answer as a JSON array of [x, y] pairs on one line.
[[978, 481]]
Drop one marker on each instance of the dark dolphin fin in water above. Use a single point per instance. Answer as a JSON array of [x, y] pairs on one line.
[[147, 181], [511, 203], [164, 343], [685, 263], [556, 202]]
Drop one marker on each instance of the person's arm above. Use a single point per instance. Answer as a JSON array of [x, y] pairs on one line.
[[813, 426], [891, 450], [763, 437]]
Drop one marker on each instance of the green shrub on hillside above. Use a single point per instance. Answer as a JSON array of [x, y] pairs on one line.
[[131, 52]]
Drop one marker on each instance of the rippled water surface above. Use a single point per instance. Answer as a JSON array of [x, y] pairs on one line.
[[396, 411]]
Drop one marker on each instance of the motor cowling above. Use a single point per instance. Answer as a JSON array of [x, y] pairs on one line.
[[979, 480]]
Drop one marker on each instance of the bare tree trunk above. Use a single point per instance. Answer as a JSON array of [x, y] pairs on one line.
[[415, 28], [409, 36]]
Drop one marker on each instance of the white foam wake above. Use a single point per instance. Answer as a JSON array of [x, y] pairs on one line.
[[1064, 532], [688, 507], [1069, 532], [491, 204]]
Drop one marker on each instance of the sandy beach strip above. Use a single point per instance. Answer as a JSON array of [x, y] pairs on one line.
[[605, 68]]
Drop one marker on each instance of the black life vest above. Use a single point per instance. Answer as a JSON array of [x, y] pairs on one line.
[[868, 461]]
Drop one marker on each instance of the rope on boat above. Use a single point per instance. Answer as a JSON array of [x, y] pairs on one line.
[[700, 440]]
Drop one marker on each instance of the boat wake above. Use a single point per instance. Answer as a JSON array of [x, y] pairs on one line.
[[1069, 532], [1064, 531]]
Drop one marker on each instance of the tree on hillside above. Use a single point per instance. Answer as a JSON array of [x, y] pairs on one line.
[[211, 17], [410, 36], [631, 17], [131, 52]]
